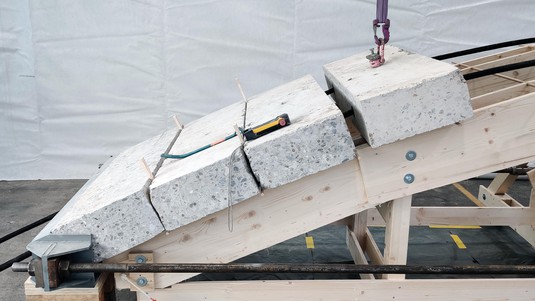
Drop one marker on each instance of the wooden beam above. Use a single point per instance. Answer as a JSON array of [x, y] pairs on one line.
[[356, 252], [373, 250], [465, 216], [501, 95], [359, 225], [501, 183], [516, 58], [262, 221], [473, 216], [68, 294], [489, 199], [488, 141], [487, 84], [500, 55], [362, 290], [397, 215]]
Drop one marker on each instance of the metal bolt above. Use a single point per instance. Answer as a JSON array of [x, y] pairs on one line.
[[410, 155], [142, 281], [141, 259], [408, 178]]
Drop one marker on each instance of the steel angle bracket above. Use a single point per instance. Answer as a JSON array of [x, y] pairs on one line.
[[49, 248]]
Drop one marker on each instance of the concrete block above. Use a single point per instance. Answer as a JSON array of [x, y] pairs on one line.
[[410, 94], [186, 190], [317, 138], [114, 205]]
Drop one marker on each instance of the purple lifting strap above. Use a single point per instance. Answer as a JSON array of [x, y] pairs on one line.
[[382, 18], [382, 11]]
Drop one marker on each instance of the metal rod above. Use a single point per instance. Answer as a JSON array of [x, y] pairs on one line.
[[517, 171], [296, 268], [15, 260], [27, 227]]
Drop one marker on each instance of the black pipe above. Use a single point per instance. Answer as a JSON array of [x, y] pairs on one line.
[[28, 227], [484, 48], [296, 268], [14, 260], [499, 69]]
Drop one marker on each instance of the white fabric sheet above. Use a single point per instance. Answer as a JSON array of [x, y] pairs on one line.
[[82, 80]]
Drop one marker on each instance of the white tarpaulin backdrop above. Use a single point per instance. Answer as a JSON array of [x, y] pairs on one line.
[[82, 80]]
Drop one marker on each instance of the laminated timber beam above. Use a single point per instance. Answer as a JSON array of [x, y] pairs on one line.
[[362, 290]]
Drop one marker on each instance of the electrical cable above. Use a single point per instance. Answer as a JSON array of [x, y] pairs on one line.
[[28, 227], [484, 48], [499, 69]]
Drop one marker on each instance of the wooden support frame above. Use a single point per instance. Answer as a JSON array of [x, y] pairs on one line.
[[342, 290], [103, 285], [500, 134]]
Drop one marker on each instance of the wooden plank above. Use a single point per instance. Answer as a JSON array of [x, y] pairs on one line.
[[356, 252], [487, 142], [463, 216], [481, 216], [66, 294], [397, 215], [362, 290], [489, 199], [517, 58], [487, 84], [501, 95], [262, 221], [501, 183], [373, 250], [359, 225], [500, 55]]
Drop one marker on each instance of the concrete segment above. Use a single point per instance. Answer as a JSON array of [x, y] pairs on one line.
[[317, 138], [185, 190], [114, 206], [410, 94]]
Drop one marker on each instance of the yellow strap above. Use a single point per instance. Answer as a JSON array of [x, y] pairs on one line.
[[458, 241], [266, 126], [310, 242]]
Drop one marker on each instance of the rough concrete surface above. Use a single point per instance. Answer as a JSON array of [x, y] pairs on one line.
[[317, 138], [113, 206], [185, 190], [410, 94]]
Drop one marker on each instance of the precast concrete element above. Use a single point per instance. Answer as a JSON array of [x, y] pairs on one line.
[[408, 95], [188, 189], [113, 206], [318, 137]]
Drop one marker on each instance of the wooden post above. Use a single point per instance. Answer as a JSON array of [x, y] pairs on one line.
[[356, 240], [397, 215]]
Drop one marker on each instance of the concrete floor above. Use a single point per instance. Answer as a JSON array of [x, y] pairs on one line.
[[22, 202]]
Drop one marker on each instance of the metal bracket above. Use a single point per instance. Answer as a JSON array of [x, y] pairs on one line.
[[49, 247]]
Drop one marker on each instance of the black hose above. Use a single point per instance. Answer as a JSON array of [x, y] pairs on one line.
[[484, 48], [18, 258], [499, 69], [27, 227]]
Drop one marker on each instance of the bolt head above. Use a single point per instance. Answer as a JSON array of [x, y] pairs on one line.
[[408, 178], [410, 155], [142, 281], [141, 259]]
